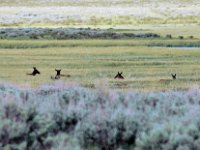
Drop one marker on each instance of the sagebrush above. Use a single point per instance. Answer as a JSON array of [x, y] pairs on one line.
[[71, 117]]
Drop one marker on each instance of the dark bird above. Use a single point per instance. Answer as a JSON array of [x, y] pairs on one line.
[[35, 72], [119, 76], [173, 76]]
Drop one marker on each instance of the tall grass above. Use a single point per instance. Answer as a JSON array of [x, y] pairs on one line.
[[88, 61], [152, 42], [70, 117]]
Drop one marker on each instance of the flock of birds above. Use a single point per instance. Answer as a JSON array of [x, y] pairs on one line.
[[59, 75]]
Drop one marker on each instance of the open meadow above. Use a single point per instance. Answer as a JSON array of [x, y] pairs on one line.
[[143, 62]]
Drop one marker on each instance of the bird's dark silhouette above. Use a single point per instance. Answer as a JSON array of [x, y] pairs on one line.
[[173, 76], [119, 76], [35, 72]]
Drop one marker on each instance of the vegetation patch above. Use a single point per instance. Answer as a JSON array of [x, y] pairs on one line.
[[59, 116], [68, 33]]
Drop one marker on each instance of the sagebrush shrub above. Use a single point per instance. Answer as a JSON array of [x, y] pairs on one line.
[[71, 117]]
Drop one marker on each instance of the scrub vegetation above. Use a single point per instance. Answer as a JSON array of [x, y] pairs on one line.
[[68, 117]]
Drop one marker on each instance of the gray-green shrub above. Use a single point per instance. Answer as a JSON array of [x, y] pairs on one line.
[[71, 117]]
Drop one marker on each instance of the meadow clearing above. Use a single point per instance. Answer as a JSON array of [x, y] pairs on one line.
[[144, 62]]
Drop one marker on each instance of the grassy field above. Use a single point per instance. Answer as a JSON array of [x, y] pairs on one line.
[[94, 63]]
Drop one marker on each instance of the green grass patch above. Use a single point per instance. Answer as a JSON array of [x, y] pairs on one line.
[[162, 42], [92, 61]]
